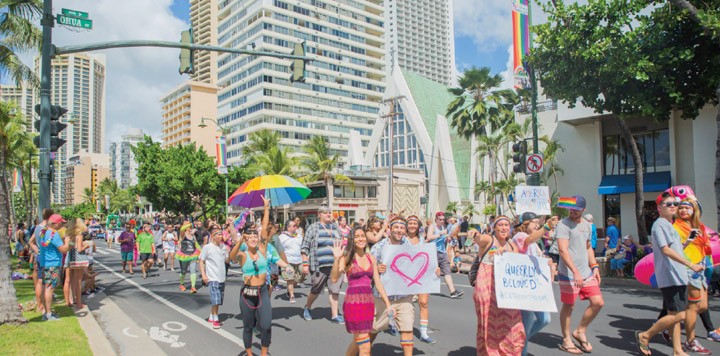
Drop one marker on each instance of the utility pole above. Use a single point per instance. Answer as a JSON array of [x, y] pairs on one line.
[[534, 178], [44, 178], [390, 121]]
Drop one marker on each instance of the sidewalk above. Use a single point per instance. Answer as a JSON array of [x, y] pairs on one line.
[[99, 343]]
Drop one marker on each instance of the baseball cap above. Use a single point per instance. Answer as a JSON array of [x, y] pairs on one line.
[[526, 216], [439, 214], [575, 202], [56, 219]]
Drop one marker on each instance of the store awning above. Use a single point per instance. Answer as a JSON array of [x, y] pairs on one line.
[[620, 184]]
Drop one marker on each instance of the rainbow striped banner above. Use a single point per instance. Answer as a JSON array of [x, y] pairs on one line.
[[521, 41], [17, 181], [221, 154]]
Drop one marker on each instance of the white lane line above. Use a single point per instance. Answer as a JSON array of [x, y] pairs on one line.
[[178, 309], [102, 252]]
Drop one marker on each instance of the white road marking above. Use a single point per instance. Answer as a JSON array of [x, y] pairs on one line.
[[102, 252], [126, 331], [180, 326], [187, 314], [158, 334]]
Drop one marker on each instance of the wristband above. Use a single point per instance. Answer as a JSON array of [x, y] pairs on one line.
[[546, 227], [305, 263], [594, 267]]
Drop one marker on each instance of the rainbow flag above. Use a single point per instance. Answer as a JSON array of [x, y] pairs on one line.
[[17, 181], [521, 41], [239, 221], [567, 202], [220, 151]]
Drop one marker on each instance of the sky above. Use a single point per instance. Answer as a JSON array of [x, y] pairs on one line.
[[137, 78]]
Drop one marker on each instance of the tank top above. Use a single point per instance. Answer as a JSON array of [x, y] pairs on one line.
[[489, 257], [254, 268]]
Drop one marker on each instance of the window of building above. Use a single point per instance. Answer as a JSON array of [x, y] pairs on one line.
[[654, 147]]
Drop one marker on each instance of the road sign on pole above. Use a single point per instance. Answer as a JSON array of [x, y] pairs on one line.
[[74, 21], [75, 13], [534, 163]]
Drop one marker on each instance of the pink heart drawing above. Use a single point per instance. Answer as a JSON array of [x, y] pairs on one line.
[[420, 272]]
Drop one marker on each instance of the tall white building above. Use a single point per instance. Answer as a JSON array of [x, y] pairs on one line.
[[123, 166], [77, 84], [204, 20], [345, 80], [420, 38], [24, 97]]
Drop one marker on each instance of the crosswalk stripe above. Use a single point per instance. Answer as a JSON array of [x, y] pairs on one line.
[[102, 252]]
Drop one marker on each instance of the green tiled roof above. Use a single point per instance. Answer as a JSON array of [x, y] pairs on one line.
[[432, 99]]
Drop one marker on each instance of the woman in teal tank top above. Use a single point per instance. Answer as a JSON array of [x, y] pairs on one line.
[[254, 296]]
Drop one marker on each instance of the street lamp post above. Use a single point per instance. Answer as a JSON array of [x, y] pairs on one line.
[[224, 131]]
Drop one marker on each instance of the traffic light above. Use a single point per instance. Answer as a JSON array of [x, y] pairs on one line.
[[56, 112], [186, 55], [520, 149], [297, 68]]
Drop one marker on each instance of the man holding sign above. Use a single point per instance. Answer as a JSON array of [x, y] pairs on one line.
[[579, 274]]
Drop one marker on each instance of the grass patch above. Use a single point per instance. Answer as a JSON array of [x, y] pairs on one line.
[[37, 337]]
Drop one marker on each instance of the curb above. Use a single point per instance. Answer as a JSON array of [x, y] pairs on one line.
[[99, 343]]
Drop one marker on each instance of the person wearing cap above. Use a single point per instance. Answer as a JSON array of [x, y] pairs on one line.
[[317, 261], [578, 275], [439, 234], [593, 230], [612, 234], [625, 253], [671, 273], [529, 232], [499, 331], [127, 246], [188, 255], [38, 265], [51, 247]]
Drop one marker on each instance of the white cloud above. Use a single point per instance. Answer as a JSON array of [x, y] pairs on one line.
[[136, 78], [487, 22], [507, 74]]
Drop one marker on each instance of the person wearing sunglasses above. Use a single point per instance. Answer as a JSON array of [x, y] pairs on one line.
[[671, 273], [188, 255], [255, 305]]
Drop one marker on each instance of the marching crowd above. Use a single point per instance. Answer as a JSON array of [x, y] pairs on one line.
[[331, 252]]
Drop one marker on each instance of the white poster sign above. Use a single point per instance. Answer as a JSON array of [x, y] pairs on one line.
[[532, 198], [523, 282], [410, 269]]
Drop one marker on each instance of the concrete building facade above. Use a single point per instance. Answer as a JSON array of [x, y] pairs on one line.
[[123, 167], [183, 110], [204, 19], [344, 82], [24, 98], [84, 170]]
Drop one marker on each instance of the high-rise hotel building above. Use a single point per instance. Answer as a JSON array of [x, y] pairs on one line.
[[24, 97], [345, 80], [204, 20], [420, 38]]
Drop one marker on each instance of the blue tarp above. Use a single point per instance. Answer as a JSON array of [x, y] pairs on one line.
[[620, 184]]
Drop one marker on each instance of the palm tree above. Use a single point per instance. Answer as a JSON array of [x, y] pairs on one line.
[[321, 164], [552, 147], [260, 142], [276, 160], [19, 34], [88, 195], [452, 206], [484, 188], [469, 210]]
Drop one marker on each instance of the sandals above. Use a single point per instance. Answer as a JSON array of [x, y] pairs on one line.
[[642, 349], [571, 350], [583, 344]]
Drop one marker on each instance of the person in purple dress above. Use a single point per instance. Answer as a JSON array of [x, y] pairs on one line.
[[359, 306]]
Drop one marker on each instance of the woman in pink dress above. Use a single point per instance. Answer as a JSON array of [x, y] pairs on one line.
[[359, 306], [500, 331]]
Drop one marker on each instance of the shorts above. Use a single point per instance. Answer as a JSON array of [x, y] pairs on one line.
[[443, 263], [697, 280], [675, 298], [217, 292], [297, 274], [145, 256], [51, 276], [126, 256], [569, 292], [404, 315], [168, 251], [321, 278]]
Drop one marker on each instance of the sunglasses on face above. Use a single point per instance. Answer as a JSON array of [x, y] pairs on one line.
[[250, 231], [671, 204]]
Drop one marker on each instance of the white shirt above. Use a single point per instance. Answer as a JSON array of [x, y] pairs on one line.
[[214, 257], [292, 247]]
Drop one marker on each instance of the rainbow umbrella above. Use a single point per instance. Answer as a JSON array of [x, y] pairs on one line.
[[280, 189]]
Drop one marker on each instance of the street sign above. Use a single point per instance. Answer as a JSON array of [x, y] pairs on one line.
[[534, 163], [75, 13], [74, 22]]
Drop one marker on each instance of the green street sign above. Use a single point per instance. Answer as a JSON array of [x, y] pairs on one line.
[[75, 13], [74, 22]]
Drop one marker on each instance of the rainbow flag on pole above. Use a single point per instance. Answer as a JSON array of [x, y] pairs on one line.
[[17, 181], [521, 41], [221, 154]]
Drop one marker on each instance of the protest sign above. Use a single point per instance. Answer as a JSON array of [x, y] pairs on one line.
[[523, 282], [531, 198], [410, 269]]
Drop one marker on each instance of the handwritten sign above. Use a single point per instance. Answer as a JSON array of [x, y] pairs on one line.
[[523, 282], [532, 198], [410, 269]]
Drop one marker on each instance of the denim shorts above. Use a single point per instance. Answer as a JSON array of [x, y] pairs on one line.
[[217, 292]]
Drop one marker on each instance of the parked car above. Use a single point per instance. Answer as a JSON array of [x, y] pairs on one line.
[[96, 231]]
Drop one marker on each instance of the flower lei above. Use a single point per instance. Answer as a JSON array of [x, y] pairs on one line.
[[45, 242]]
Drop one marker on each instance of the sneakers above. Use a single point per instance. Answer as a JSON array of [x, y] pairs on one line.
[[338, 320], [144, 275], [215, 324], [52, 317], [292, 300], [456, 294], [193, 290], [306, 314], [182, 288], [713, 335], [696, 348], [666, 337], [427, 339]]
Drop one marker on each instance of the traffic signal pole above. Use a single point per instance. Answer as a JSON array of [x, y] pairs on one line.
[[44, 178], [534, 178]]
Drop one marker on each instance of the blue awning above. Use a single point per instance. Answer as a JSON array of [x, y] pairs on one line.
[[652, 182]]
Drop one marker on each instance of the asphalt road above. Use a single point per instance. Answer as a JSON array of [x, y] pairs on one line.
[[153, 314]]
